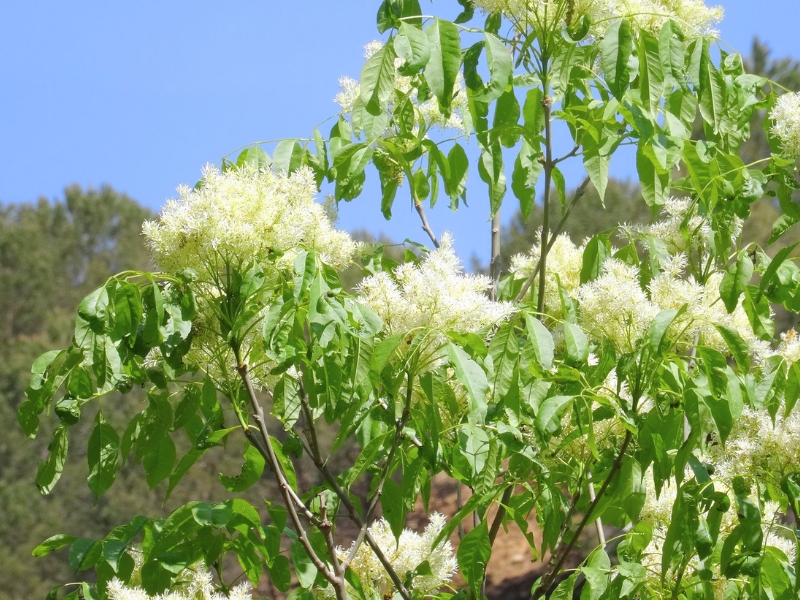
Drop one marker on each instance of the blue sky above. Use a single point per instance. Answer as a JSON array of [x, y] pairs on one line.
[[141, 94]]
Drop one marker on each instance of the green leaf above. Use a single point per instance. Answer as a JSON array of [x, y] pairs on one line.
[[712, 95], [52, 543], [254, 156], [504, 350], [658, 329], [393, 508], [527, 169], [474, 553], [303, 567], [577, 343], [456, 185], [49, 471], [280, 573], [412, 46], [597, 251], [252, 469], [550, 411], [541, 341], [288, 157], [103, 456], [651, 74], [616, 48], [158, 461], [490, 168], [498, 58], [597, 165], [654, 181], [445, 61], [470, 374], [738, 347], [212, 515], [83, 553], [475, 447], [561, 187], [377, 79], [773, 267], [736, 278], [127, 310], [671, 49], [759, 313]]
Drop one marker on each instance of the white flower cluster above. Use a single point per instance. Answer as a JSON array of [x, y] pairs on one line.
[[240, 216], [405, 555], [676, 214], [785, 117], [436, 294], [194, 583], [617, 307], [693, 15], [789, 347], [757, 450], [564, 263], [657, 511], [428, 110]]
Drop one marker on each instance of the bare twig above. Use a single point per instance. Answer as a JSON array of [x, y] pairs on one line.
[[547, 105], [494, 264], [343, 496], [425, 226], [290, 499], [558, 558]]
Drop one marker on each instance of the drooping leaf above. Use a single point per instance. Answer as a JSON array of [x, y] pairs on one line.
[[445, 60], [252, 469], [616, 49]]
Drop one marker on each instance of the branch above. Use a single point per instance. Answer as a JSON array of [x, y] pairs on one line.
[[289, 496], [425, 227], [547, 105], [580, 191], [494, 264], [343, 496], [558, 558]]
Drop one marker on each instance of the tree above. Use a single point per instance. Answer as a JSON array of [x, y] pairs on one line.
[[635, 382]]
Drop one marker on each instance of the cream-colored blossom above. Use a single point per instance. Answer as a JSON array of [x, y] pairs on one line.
[[789, 347], [193, 583], [436, 294], [405, 555], [694, 16], [564, 264], [668, 228], [614, 306], [240, 216], [757, 450], [785, 116]]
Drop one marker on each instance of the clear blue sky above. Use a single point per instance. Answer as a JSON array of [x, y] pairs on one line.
[[141, 94]]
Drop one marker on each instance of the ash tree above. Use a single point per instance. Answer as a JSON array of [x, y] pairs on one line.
[[635, 380]]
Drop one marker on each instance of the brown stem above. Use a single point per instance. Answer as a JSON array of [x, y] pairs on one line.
[[581, 189], [344, 497], [425, 226], [290, 498], [558, 558]]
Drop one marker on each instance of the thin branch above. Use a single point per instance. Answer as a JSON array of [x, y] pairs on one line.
[[558, 558], [501, 513], [547, 105], [344, 497], [569, 154], [373, 504], [580, 191], [425, 226], [289, 499], [494, 264], [598, 523]]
